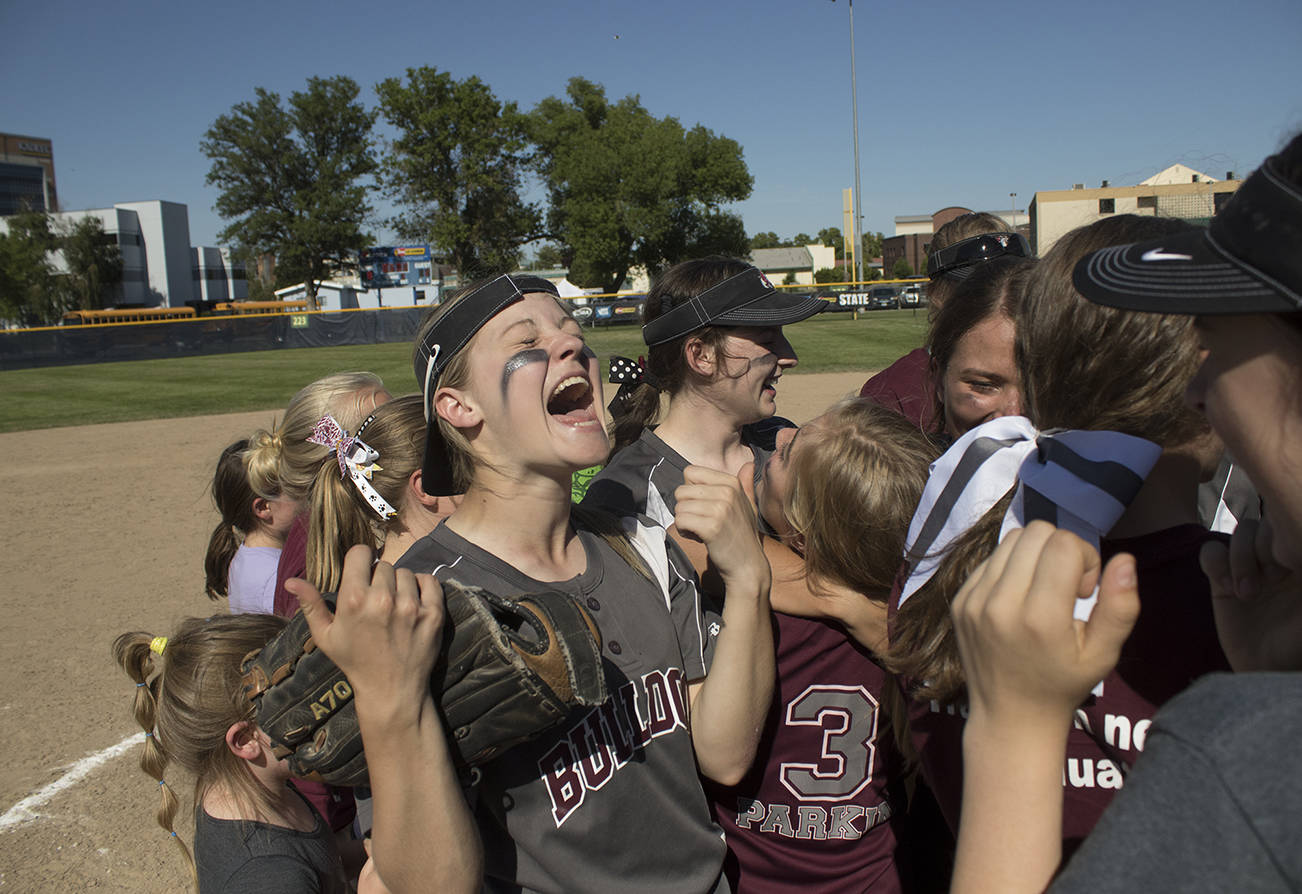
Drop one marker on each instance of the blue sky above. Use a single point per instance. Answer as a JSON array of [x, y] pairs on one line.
[[959, 103]]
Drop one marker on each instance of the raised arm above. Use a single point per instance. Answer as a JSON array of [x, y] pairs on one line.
[[730, 704], [1028, 664], [385, 636]]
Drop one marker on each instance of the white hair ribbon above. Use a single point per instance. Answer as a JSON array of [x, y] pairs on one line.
[[1078, 480], [357, 461]]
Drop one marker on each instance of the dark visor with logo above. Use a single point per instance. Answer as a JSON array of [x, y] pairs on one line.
[[955, 259], [746, 299]]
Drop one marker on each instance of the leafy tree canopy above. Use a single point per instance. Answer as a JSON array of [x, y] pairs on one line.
[[831, 236], [456, 166], [829, 274], [293, 179], [872, 245], [28, 293], [902, 268], [767, 239], [802, 239], [629, 189], [94, 264]]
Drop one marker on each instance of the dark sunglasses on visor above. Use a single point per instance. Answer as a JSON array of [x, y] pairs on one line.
[[976, 250]]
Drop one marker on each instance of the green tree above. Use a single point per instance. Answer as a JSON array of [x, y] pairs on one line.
[[829, 274], [28, 292], [765, 240], [872, 245], [456, 167], [549, 255], [802, 239], [94, 264], [902, 268], [629, 189], [831, 236], [293, 180]]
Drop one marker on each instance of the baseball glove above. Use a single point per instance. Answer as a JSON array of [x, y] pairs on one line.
[[508, 670]]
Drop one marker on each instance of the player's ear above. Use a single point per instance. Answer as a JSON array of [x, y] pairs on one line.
[[262, 509], [700, 357], [440, 506], [457, 406], [242, 740]]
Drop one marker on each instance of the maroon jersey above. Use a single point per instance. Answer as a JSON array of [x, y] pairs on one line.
[[293, 563], [815, 812], [1173, 643], [907, 387]]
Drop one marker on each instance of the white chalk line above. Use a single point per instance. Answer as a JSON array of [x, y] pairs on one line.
[[25, 810]]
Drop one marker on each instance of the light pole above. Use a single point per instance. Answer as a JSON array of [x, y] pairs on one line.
[[857, 226], [858, 193], [1012, 218]]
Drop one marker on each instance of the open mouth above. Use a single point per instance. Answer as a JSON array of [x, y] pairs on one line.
[[771, 383], [571, 401]]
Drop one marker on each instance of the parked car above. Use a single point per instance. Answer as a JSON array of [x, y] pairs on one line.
[[911, 296], [881, 297]]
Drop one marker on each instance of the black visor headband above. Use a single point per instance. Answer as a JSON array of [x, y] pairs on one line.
[[711, 306], [976, 250], [458, 325]]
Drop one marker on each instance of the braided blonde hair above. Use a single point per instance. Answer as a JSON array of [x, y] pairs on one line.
[[186, 706]]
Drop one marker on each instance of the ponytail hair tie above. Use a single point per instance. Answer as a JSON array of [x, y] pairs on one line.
[[158, 644], [357, 461], [628, 375]]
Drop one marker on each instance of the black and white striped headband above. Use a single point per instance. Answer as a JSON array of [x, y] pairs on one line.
[[1078, 480]]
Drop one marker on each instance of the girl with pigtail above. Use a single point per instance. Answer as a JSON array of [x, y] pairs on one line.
[[245, 547], [374, 495], [715, 346], [286, 459], [253, 831]]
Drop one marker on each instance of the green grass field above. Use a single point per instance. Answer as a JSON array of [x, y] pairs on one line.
[[231, 383]]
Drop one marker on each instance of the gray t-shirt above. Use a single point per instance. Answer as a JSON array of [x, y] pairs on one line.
[[1215, 803], [241, 856], [643, 476], [609, 800]]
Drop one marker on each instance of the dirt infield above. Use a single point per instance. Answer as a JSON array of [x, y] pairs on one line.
[[108, 525]]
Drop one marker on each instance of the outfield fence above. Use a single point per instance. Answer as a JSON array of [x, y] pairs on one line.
[[106, 343]]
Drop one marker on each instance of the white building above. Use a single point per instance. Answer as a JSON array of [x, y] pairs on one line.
[[793, 264], [334, 294], [216, 276], [159, 268]]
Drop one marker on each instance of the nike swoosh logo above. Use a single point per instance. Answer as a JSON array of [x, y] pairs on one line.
[[1157, 254]]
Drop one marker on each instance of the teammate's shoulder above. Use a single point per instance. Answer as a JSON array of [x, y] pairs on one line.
[[763, 434], [427, 553]]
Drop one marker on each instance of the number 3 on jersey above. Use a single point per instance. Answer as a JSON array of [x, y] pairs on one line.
[[847, 716]]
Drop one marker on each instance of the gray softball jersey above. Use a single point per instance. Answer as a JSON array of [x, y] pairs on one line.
[[643, 476], [609, 800]]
